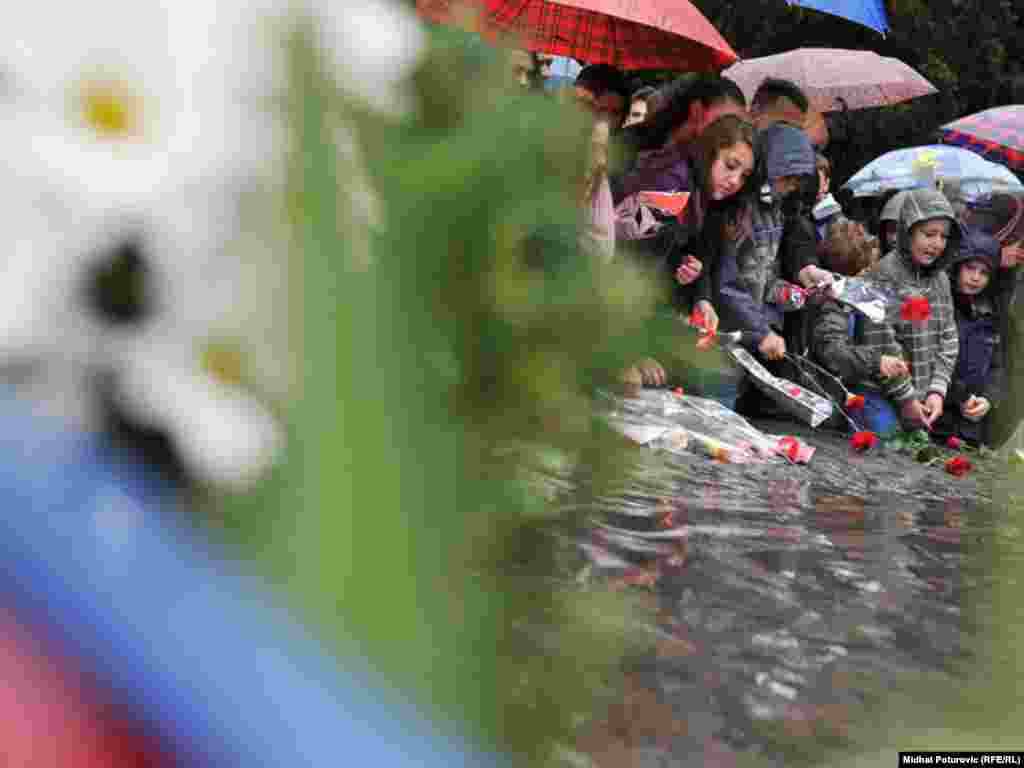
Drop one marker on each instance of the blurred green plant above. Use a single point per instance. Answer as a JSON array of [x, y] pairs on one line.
[[436, 377]]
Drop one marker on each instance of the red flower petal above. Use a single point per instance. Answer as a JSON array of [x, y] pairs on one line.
[[855, 403], [790, 447], [697, 319], [862, 441], [678, 392], [916, 309], [958, 466], [955, 442], [796, 391]]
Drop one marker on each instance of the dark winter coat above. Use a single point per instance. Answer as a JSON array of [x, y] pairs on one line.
[[753, 260]]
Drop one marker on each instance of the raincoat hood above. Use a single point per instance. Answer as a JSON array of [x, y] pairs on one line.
[[922, 205], [977, 246], [891, 211]]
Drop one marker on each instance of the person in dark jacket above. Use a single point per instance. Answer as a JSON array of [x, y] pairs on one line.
[[769, 243], [978, 379]]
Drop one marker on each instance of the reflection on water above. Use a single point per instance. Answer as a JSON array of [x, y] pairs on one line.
[[777, 603]]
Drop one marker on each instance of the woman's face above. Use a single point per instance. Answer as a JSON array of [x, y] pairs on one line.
[[730, 171], [928, 241]]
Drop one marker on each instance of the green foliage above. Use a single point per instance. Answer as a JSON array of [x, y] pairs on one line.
[[434, 379]]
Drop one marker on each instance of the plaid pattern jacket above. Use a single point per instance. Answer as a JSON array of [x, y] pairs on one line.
[[929, 347]]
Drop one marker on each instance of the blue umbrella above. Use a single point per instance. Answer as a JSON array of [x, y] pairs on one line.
[[923, 166], [868, 13]]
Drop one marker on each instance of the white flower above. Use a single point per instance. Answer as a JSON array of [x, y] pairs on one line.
[[372, 46], [118, 99], [183, 364]]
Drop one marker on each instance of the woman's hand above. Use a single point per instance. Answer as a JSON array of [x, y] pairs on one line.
[[892, 367], [689, 270], [651, 372], [975, 408], [933, 408]]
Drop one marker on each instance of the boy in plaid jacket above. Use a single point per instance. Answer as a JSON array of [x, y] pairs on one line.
[[925, 335]]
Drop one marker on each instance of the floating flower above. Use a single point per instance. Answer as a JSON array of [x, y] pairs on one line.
[[958, 466], [863, 441], [955, 442], [916, 309], [855, 402]]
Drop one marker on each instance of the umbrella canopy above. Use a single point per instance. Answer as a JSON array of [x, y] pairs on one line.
[[999, 213], [831, 76], [923, 166], [867, 13], [996, 134], [658, 34]]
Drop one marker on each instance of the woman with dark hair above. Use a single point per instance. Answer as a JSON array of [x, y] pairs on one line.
[[718, 167], [654, 152]]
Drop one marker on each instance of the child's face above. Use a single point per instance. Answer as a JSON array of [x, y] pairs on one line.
[[732, 166], [928, 241], [973, 277], [823, 184]]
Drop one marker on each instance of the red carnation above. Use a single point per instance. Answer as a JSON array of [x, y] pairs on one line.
[[862, 441], [855, 402], [790, 447], [958, 466], [916, 309], [955, 443]]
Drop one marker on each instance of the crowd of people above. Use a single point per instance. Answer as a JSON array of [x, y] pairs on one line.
[[730, 205]]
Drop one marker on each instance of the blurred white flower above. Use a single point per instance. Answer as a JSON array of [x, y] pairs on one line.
[[372, 45], [116, 99], [183, 336]]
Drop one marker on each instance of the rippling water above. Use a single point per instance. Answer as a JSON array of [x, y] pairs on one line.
[[778, 605]]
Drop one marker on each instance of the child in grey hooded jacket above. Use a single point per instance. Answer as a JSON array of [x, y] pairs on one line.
[[925, 335]]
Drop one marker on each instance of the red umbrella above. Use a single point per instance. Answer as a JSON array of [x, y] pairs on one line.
[[996, 134], [656, 34], [831, 76]]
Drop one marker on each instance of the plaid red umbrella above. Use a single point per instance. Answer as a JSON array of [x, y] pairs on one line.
[[996, 134], [656, 34]]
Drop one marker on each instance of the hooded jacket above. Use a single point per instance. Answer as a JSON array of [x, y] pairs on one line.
[[753, 261], [979, 369], [930, 347]]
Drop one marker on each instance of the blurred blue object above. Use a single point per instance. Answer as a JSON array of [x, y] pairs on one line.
[[909, 168], [867, 13], [98, 559]]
